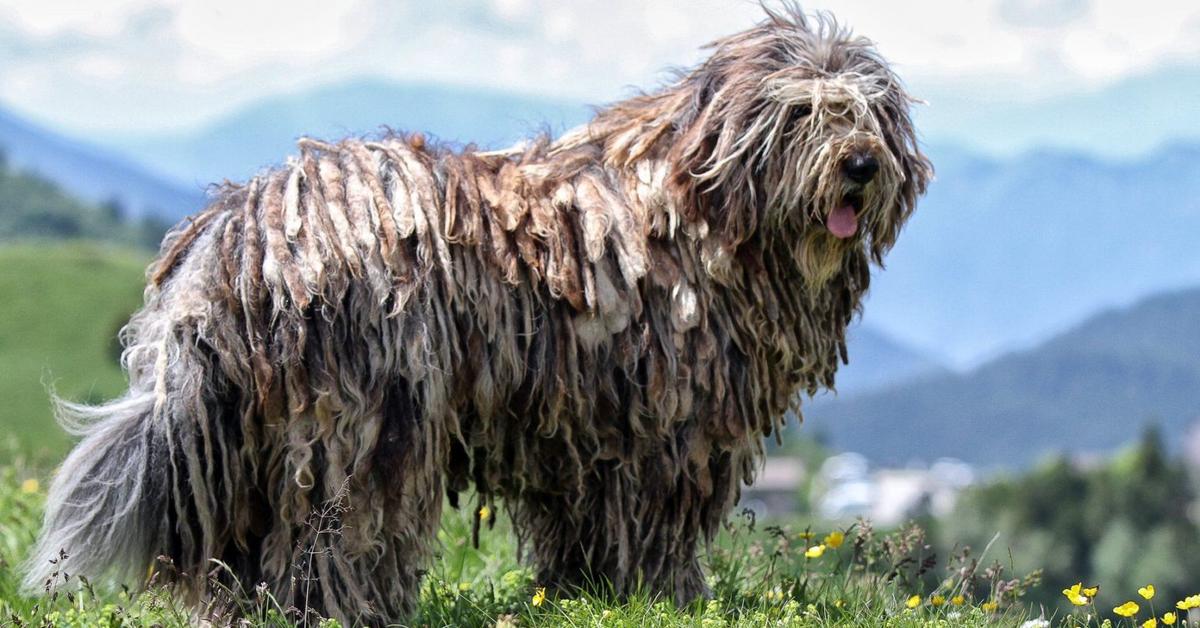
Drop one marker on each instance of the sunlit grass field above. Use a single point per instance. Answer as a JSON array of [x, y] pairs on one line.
[[61, 306]]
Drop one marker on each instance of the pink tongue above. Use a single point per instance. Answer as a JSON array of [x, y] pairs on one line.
[[842, 222]]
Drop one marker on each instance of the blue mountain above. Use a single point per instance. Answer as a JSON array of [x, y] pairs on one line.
[[264, 133], [92, 173]]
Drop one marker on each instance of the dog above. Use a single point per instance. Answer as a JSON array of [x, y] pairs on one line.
[[593, 334]]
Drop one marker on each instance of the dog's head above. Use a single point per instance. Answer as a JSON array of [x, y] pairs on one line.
[[798, 132]]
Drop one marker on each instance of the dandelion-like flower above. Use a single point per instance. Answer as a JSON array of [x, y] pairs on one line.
[[1150, 623], [937, 600], [30, 486], [1076, 594], [958, 600], [1147, 591], [990, 606], [1169, 619], [1128, 609], [835, 539], [815, 551], [485, 513], [1188, 603], [913, 601], [539, 596]]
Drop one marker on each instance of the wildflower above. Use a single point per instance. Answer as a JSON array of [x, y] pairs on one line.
[[30, 486], [1192, 601], [839, 603], [539, 596], [1147, 591], [1150, 623], [815, 551], [774, 595], [913, 601], [835, 539], [1128, 609], [958, 600], [1080, 596], [1169, 619], [463, 587], [937, 600], [485, 513], [990, 606]]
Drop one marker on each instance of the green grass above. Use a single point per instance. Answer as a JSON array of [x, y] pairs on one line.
[[62, 306], [759, 577]]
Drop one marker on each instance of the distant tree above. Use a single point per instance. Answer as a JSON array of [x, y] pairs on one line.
[[113, 210]]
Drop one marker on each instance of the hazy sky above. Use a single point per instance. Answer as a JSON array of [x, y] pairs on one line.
[[135, 65]]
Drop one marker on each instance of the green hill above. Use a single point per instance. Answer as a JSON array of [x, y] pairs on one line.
[[63, 304], [1088, 390]]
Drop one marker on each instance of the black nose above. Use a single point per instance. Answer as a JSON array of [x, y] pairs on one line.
[[860, 168]]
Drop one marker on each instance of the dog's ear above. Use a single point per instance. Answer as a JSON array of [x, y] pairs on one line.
[[712, 162]]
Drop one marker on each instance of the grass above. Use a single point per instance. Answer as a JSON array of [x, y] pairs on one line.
[[63, 304], [759, 576]]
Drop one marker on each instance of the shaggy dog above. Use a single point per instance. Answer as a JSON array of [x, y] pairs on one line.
[[594, 332]]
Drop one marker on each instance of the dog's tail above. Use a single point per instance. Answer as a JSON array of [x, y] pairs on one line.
[[106, 503]]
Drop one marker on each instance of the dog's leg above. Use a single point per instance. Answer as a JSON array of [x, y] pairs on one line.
[[634, 527]]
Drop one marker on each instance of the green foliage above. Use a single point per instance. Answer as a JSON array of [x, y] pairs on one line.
[[1123, 524], [63, 305], [32, 207]]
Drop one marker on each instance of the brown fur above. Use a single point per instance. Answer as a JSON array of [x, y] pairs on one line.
[[596, 332]]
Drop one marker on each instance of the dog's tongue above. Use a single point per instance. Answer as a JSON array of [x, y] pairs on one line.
[[843, 221]]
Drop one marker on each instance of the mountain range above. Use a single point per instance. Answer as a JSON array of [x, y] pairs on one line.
[[1088, 390], [262, 134], [94, 174]]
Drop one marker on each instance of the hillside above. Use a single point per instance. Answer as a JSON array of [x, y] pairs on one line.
[[63, 304], [265, 133], [878, 361], [1002, 254], [1087, 390], [93, 174], [33, 207]]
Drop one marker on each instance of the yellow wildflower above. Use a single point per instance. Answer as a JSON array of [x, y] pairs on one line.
[[464, 587], [539, 596], [1128, 609], [990, 605], [1169, 619], [1091, 591], [1150, 623], [958, 600], [839, 603], [485, 513], [774, 595], [937, 600], [815, 551], [913, 601], [835, 539], [1075, 595], [30, 486], [1147, 591], [1192, 601]]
